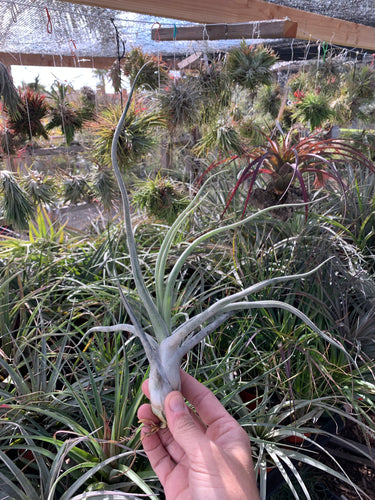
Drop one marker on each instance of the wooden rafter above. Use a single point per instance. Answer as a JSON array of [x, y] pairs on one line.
[[10, 59], [310, 26], [278, 28]]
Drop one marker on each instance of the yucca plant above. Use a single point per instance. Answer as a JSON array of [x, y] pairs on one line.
[[172, 337]]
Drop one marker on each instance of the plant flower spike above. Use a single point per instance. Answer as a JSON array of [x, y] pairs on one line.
[[166, 348]]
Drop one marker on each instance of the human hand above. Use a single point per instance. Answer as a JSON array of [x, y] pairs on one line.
[[198, 456]]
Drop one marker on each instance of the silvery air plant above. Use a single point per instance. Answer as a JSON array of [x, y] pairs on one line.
[[167, 345]]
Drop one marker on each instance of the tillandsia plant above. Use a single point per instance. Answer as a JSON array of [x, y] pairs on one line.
[[174, 334]]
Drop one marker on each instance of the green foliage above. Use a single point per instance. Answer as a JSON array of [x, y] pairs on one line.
[[161, 198], [153, 75], [180, 102], [62, 114], [16, 205], [8, 93], [28, 124], [269, 100], [313, 110], [221, 138], [76, 189], [39, 187], [250, 66], [137, 136]]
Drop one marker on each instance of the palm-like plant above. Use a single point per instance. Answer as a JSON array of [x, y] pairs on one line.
[[62, 113], [28, 124], [250, 66]]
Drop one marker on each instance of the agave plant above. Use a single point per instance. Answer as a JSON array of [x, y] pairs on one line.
[[172, 337]]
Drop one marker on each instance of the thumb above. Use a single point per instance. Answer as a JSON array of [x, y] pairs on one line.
[[183, 427]]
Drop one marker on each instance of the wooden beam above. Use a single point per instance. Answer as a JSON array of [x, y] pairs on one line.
[[10, 59], [284, 28], [310, 26]]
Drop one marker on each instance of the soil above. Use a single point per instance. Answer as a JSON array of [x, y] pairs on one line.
[[81, 217], [360, 470]]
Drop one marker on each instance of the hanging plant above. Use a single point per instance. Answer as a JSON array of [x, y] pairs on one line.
[[8, 93], [76, 190], [181, 102], [250, 66], [269, 100], [222, 138], [106, 187], [136, 139], [62, 113], [153, 75], [16, 206], [40, 189], [28, 125], [313, 110]]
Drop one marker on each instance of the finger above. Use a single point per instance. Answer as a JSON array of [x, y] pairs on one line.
[[147, 416], [145, 389], [208, 407], [159, 458], [183, 426]]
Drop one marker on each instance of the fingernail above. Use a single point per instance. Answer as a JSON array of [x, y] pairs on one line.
[[177, 403]]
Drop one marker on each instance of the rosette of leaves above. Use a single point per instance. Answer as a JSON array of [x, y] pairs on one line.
[[216, 90], [154, 73], [76, 190], [17, 206], [137, 136], [313, 110], [8, 92], [222, 138], [181, 102], [62, 113], [161, 198], [27, 124], [250, 65], [40, 188]]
